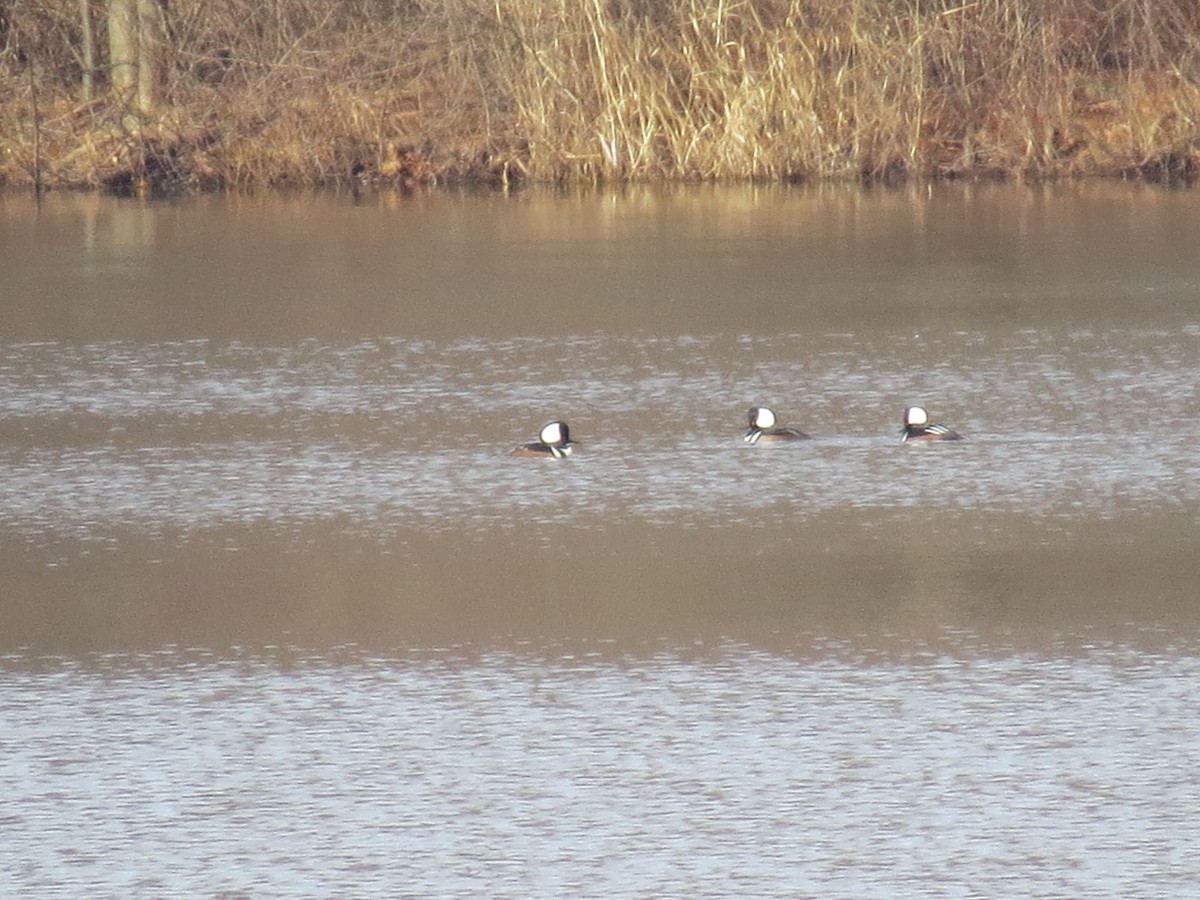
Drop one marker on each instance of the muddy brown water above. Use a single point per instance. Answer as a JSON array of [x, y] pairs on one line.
[[279, 616]]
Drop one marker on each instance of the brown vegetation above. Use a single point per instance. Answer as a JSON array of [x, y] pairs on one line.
[[412, 92]]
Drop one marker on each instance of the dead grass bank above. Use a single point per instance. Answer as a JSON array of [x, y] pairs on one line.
[[312, 92]]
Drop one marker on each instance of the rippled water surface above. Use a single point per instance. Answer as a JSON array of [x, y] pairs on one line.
[[390, 432], [725, 773], [279, 616]]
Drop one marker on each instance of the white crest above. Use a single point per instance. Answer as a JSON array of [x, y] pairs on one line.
[[552, 433], [915, 415], [762, 417]]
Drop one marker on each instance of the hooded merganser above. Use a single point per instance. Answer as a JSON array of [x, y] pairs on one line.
[[917, 427], [553, 440], [763, 428]]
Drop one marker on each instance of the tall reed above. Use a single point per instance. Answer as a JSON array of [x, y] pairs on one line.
[[736, 88], [319, 91]]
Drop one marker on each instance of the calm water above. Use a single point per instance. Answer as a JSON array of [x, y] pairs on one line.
[[279, 617]]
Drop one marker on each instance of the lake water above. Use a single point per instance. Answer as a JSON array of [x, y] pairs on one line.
[[280, 617]]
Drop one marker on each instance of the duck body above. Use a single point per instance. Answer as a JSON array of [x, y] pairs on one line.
[[764, 430], [554, 441], [917, 427]]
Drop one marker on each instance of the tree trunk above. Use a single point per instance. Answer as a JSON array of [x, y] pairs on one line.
[[151, 40], [122, 48], [88, 48], [136, 37]]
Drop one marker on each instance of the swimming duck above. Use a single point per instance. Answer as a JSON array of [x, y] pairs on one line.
[[918, 428], [553, 440], [763, 428]]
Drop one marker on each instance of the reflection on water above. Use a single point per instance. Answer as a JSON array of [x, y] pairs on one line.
[[279, 616], [694, 261]]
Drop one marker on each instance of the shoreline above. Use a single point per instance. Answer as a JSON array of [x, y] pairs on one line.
[[509, 93]]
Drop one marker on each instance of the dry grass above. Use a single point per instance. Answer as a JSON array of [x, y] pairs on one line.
[[304, 92]]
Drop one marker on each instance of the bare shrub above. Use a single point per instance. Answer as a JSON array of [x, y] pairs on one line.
[[413, 91]]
